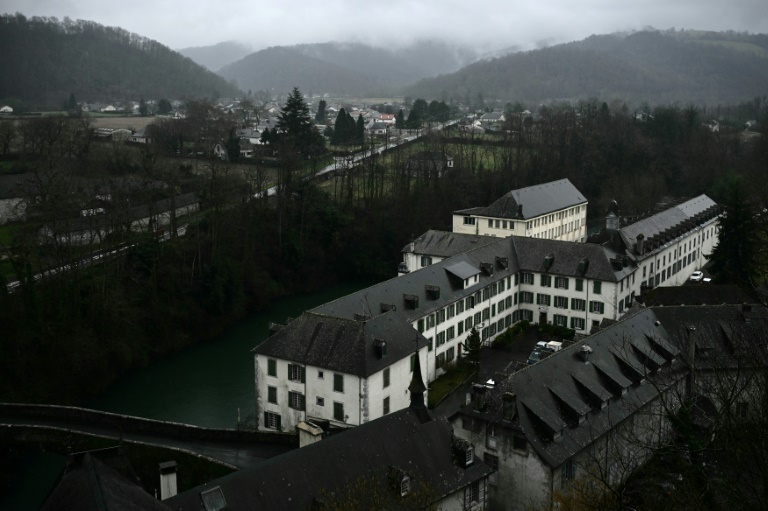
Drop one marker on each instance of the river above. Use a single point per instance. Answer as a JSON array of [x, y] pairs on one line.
[[204, 385]]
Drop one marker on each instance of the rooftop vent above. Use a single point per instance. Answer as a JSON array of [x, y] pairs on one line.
[[503, 262], [386, 307], [510, 406], [487, 268], [583, 266], [548, 260], [274, 328], [411, 301], [584, 352]]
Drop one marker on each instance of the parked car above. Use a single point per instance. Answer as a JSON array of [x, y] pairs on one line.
[[534, 357], [696, 276]]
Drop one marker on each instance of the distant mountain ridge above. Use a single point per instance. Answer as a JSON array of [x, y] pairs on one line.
[[652, 66], [45, 60], [218, 55], [345, 68]]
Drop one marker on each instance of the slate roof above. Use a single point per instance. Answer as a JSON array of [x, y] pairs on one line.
[[725, 334], [553, 393], [536, 200], [300, 478], [666, 220], [12, 186], [343, 345], [567, 255], [703, 294], [446, 243], [89, 483], [339, 334]]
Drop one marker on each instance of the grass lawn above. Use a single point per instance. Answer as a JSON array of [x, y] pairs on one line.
[[442, 386]]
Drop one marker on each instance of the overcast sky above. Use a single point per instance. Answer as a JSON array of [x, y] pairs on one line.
[[488, 24]]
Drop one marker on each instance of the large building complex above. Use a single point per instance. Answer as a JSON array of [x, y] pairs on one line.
[[554, 211]]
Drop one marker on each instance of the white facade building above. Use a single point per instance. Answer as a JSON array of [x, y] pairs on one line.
[[555, 210], [333, 361]]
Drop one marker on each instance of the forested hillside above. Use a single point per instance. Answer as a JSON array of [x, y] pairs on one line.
[[216, 56], [345, 68], [282, 68], [46, 60], [651, 66]]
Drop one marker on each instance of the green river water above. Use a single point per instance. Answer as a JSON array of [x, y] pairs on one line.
[[205, 385]]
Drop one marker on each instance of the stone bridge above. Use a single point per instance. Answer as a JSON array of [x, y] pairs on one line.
[[234, 448]]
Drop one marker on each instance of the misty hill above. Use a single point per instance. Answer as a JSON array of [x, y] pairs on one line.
[[344, 68], [651, 66], [44, 60], [216, 56]]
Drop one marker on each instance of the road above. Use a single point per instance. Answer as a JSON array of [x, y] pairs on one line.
[[363, 155]]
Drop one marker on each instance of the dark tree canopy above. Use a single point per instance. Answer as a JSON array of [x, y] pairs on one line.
[[735, 258], [295, 126], [320, 115]]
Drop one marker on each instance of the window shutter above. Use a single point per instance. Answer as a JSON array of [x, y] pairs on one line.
[[573, 303], [277, 421], [565, 282], [303, 377], [266, 420], [302, 401], [290, 371], [602, 308]]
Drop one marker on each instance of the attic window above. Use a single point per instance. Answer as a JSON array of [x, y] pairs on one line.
[[583, 265], [470, 456], [411, 301], [386, 307], [362, 317], [502, 262], [432, 291], [381, 348], [548, 260]]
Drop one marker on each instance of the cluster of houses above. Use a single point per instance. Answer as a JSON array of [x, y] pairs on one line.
[[99, 208]]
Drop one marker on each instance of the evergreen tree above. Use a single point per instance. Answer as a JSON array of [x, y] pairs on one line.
[[142, 107], [340, 128], [735, 258], [295, 126], [400, 120], [418, 114], [72, 103], [360, 130], [320, 115], [473, 346], [233, 146], [164, 107]]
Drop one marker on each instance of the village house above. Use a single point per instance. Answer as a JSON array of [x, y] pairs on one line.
[[599, 408], [347, 361], [595, 409], [429, 163]]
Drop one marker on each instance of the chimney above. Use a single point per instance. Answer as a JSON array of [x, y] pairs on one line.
[[168, 486], [584, 352], [520, 211], [309, 433], [509, 403], [640, 246], [478, 396], [690, 381]]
